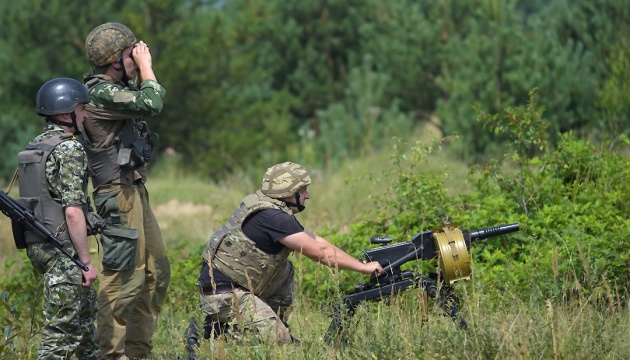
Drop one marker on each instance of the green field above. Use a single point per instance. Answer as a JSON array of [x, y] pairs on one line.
[[572, 313]]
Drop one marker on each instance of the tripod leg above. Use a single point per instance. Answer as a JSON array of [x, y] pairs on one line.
[[425, 308]]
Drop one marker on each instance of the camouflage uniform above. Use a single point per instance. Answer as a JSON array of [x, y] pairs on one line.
[[136, 270], [263, 287], [69, 308], [246, 279]]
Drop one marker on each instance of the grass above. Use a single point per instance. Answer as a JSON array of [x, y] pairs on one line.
[[520, 330], [507, 326]]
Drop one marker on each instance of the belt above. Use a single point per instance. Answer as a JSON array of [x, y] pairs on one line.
[[221, 288]]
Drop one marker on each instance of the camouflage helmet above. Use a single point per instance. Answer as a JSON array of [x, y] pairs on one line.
[[284, 180], [106, 42], [60, 96]]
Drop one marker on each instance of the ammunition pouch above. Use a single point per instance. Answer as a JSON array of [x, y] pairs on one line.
[[118, 241], [135, 147], [119, 247]]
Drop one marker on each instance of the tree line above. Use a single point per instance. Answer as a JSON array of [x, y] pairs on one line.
[[253, 82]]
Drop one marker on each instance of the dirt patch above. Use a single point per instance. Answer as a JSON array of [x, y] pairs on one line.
[[178, 208]]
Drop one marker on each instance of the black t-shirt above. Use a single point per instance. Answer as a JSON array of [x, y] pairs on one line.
[[265, 228]]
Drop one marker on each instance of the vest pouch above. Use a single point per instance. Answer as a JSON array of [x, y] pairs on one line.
[[281, 287], [119, 248], [19, 231], [124, 159], [137, 155], [32, 204], [143, 150], [19, 235], [107, 206]]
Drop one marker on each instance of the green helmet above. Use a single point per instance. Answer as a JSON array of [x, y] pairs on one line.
[[106, 42], [284, 180]]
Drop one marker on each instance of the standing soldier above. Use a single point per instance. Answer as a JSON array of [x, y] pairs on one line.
[[136, 272], [53, 182]]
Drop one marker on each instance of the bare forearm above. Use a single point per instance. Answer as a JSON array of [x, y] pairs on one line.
[[318, 249], [329, 254], [78, 233]]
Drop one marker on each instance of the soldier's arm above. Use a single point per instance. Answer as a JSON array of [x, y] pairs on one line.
[[75, 220], [318, 249], [145, 101], [72, 173]]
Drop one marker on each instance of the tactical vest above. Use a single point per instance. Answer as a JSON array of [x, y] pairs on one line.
[[231, 252], [130, 149], [34, 191]]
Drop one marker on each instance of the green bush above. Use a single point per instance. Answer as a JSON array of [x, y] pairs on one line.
[[573, 206], [21, 318], [570, 200]]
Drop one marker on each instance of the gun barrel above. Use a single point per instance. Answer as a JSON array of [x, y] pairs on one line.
[[493, 231]]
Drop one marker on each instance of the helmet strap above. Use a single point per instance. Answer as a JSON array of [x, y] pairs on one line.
[[72, 124], [297, 203]]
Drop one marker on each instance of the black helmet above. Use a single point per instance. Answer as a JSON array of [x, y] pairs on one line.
[[60, 96]]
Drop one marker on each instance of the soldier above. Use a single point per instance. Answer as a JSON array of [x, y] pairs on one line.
[[246, 278], [53, 180], [123, 90]]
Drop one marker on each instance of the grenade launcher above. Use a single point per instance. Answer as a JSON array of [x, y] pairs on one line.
[[446, 243]]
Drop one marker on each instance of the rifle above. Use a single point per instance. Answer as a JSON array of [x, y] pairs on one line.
[[22, 218], [446, 243]]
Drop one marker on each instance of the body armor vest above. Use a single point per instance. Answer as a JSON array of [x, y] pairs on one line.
[[128, 150], [34, 192], [231, 252]]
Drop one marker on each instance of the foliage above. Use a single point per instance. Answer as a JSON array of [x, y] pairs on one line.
[[571, 200], [229, 103], [556, 288], [274, 74], [614, 98], [253, 82], [405, 40], [184, 273], [360, 124], [15, 136], [21, 318]]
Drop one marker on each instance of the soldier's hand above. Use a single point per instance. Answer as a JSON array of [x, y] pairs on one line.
[[89, 276], [142, 59], [142, 56], [374, 267]]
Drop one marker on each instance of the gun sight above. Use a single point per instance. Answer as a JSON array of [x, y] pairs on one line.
[[380, 240]]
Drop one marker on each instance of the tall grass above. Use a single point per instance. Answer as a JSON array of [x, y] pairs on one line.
[[582, 329], [501, 325]]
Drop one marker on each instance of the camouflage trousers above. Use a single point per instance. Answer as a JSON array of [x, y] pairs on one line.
[[136, 272], [69, 308], [244, 311]]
